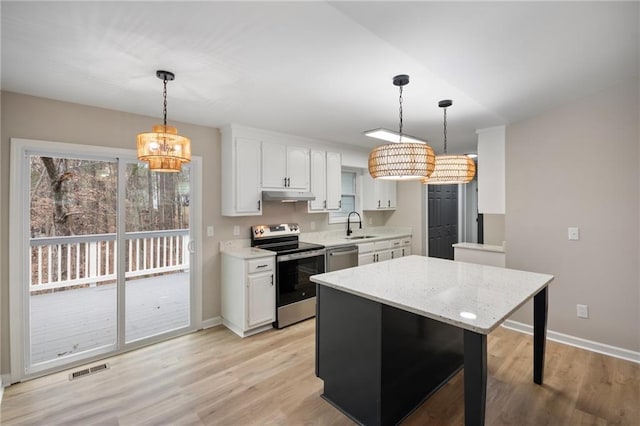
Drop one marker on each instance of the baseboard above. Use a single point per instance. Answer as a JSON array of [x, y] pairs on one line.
[[211, 322], [578, 342]]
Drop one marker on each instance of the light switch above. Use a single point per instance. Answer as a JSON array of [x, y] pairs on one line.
[[236, 230], [209, 231], [574, 233]]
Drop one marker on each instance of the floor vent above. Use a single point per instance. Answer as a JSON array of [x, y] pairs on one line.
[[88, 371]]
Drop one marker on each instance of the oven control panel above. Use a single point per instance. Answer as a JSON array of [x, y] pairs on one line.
[[271, 231]]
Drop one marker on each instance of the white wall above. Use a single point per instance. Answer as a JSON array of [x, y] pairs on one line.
[[578, 165]]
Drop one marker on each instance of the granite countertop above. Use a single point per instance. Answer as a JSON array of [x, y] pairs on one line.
[[480, 247], [248, 252], [337, 238], [470, 296]]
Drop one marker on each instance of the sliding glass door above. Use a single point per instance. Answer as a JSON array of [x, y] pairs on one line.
[[107, 253]]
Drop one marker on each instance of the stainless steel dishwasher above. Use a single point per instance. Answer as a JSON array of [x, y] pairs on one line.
[[342, 257]]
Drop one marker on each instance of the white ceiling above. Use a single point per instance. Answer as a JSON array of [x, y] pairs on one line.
[[322, 69]]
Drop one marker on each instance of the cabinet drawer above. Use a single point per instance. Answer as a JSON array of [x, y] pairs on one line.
[[383, 245], [259, 265], [406, 241], [394, 244], [366, 247]]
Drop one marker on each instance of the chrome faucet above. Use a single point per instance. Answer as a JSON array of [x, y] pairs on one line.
[[349, 231]]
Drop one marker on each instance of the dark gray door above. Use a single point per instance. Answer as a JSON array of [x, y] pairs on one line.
[[443, 220]]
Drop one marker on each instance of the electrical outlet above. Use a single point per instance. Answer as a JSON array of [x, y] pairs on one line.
[[236, 230], [574, 233], [370, 221], [312, 225], [209, 231], [583, 311]]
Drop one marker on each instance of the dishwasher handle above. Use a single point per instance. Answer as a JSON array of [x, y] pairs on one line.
[[343, 252]]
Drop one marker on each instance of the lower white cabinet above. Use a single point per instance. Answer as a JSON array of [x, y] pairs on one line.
[[380, 251], [248, 294]]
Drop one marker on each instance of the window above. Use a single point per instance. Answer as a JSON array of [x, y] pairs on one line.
[[350, 197]]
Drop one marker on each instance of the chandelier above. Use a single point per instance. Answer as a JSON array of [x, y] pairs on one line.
[[406, 158], [163, 148], [450, 169]]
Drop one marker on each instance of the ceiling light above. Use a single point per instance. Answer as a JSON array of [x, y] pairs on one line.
[[164, 149], [407, 158], [471, 155], [391, 136], [450, 169]]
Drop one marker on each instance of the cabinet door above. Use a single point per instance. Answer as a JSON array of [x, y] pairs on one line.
[[318, 180], [365, 259], [391, 194], [334, 181], [383, 255], [406, 251], [261, 299], [396, 253], [247, 172], [274, 165], [297, 168]]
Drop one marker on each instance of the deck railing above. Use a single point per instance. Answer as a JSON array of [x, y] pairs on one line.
[[58, 262]]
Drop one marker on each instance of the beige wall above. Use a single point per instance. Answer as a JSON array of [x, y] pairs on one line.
[[37, 118], [578, 165], [493, 228]]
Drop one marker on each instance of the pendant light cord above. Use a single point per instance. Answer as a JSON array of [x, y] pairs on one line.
[[164, 95], [400, 100], [445, 130]]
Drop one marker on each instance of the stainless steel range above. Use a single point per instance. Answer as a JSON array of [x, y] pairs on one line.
[[295, 262]]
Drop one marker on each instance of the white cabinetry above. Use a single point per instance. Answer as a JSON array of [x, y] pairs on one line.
[[285, 167], [378, 194], [400, 247], [379, 251], [240, 167], [491, 174], [248, 294], [326, 179]]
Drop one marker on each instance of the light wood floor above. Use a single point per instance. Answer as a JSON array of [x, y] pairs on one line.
[[214, 377]]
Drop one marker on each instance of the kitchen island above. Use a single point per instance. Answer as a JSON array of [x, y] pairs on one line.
[[390, 334]]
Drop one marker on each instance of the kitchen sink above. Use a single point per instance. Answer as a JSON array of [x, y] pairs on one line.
[[360, 237]]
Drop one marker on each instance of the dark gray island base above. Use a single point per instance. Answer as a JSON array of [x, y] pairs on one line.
[[389, 334], [378, 362]]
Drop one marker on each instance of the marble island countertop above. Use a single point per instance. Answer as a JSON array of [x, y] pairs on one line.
[[335, 238], [471, 296]]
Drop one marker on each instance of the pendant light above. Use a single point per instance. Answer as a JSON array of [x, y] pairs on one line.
[[163, 148], [407, 158], [450, 169]]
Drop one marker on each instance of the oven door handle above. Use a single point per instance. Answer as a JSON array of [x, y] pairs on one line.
[[303, 255]]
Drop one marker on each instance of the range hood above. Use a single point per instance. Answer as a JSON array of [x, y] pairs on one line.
[[285, 196]]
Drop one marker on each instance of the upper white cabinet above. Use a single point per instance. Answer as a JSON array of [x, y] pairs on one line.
[[491, 167], [240, 167], [379, 194], [285, 167], [326, 175]]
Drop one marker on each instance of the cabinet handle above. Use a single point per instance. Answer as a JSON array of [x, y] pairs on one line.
[[402, 252], [340, 203], [285, 182], [262, 266], [271, 279], [376, 257], [258, 205], [388, 203], [378, 203], [392, 254], [325, 204], [288, 180]]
